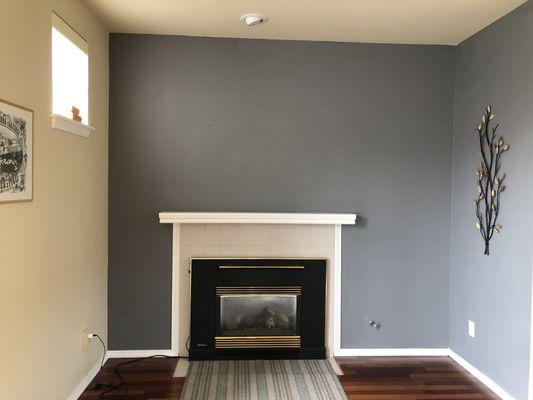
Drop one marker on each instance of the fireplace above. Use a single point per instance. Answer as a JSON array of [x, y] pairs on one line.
[[257, 308]]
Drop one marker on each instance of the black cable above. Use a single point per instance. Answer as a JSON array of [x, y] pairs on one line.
[[105, 349], [116, 371], [99, 386]]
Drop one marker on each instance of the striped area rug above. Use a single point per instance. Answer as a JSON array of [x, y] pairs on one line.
[[262, 380]]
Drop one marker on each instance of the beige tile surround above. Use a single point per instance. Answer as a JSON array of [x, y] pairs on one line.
[[246, 240]]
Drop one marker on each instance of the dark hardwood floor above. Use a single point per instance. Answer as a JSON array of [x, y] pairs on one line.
[[365, 378], [409, 378], [149, 379]]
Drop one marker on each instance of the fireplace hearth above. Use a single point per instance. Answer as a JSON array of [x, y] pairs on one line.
[[257, 308]]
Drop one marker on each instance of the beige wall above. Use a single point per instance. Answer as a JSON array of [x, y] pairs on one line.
[[53, 250]]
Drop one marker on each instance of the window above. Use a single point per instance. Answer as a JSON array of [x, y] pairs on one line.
[[70, 75]]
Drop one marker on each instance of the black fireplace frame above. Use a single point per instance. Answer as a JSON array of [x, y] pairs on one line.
[[207, 275]]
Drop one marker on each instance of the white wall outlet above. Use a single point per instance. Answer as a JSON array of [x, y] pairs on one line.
[[472, 329], [85, 337]]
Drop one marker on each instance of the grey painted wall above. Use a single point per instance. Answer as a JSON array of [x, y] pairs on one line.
[[245, 125], [495, 66]]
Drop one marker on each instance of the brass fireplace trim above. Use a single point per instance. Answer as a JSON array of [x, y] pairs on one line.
[[260, 258], [261, 267], [257, 342], [258, 290]]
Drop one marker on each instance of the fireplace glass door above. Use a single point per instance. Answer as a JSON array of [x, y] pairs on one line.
[[258, 317]]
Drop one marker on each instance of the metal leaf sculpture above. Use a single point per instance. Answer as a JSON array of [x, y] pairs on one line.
[[490, 180]]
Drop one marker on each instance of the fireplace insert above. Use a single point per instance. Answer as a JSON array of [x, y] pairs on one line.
[[257, 308]]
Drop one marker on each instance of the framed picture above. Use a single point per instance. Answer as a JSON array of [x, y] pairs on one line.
[[16, 152]]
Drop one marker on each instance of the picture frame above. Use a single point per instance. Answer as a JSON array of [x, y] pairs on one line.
[[16, 153]]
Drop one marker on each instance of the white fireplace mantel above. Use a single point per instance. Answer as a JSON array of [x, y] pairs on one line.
[[256, 218], [333, 314]]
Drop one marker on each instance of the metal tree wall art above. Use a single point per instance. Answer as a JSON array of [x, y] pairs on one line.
[[490, 179]]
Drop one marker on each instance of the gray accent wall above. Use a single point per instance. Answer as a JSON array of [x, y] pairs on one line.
[[200, 124], [495, 66]]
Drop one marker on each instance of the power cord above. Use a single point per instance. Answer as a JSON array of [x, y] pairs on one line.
[[116, 371], [100, 386], [104, 347], [110, 386]]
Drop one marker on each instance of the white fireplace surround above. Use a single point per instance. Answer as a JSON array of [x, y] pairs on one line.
[[333, 318]]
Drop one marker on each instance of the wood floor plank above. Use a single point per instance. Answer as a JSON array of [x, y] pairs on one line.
[[365, 378]]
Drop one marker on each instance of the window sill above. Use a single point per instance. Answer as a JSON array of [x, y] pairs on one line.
[[66, 124]]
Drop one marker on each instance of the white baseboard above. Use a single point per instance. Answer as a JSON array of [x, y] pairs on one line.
[[87, 380], [437, 351], [480, 376], [139, 353]]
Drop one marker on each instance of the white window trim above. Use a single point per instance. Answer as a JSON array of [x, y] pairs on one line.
[[68, 125], [61, 122], [70, 33]]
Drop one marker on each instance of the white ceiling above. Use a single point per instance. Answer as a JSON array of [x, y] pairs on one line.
[[371, 21]]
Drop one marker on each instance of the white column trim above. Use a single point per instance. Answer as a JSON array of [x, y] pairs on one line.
[[176, 279], [530, 386], [336, 297]]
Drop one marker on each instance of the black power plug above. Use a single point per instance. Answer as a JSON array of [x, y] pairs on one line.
[[100, 386]]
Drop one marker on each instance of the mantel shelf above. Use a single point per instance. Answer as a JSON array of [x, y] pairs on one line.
[[256, 218]]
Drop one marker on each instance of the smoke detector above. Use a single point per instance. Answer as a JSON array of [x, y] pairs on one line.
[[253, 19]]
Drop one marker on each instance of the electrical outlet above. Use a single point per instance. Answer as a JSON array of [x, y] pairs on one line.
[[85, 337], [472, 329]]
